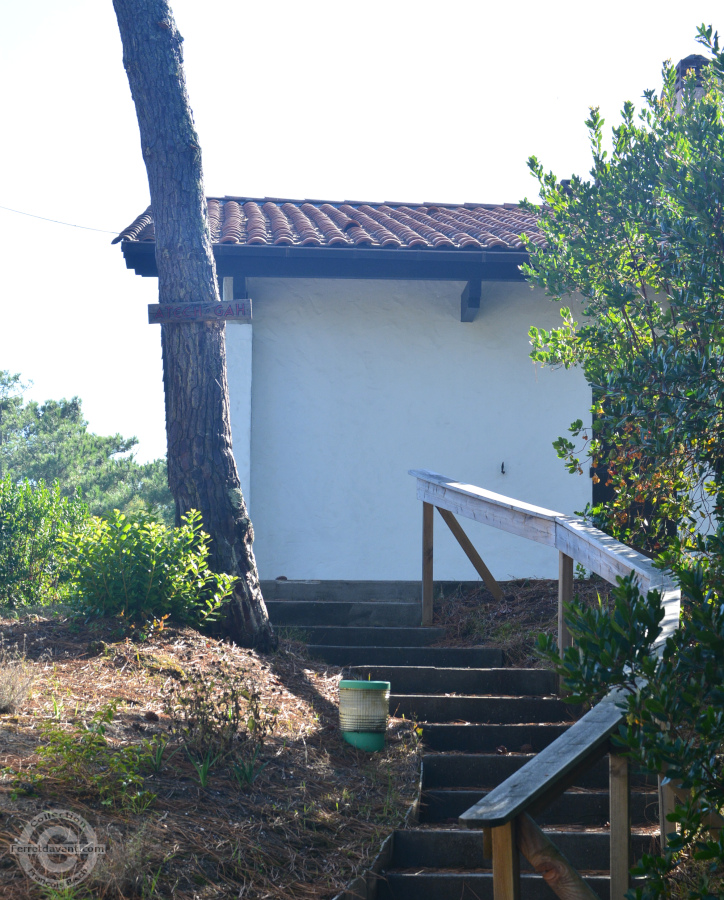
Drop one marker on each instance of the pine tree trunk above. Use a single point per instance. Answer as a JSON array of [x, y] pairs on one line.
[[201, 468]]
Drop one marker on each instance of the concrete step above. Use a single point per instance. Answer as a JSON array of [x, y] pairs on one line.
[[462, 770], [502, 710], [455, 657], [430, 680], [305, 613], [339, 636], [359, 591], [488, 738], [588, 808], [468, 886], [463, 849]]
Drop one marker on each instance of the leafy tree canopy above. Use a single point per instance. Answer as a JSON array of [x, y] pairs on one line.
[[641, 243], [50, 441]]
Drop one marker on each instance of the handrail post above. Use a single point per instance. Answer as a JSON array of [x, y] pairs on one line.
[[620, 819], [565, 595], [667, 802], [428, 512], [506, 863]]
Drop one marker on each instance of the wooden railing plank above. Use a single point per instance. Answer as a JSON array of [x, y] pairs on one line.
[[667, 802], [548, 861], [547, 774], [506, 863], [573, 536], [532, 522], [565, 595], [603, 554], [620, 820], [548, 771], [428, 518], [471, 553]]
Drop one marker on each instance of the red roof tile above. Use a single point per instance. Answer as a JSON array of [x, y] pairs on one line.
[[315, 223]]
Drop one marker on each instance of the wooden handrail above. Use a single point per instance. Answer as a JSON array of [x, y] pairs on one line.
[[507, 808], [549, 772], [591, 547]]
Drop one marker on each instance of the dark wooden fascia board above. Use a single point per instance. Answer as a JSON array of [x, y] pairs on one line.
[[329, 262]]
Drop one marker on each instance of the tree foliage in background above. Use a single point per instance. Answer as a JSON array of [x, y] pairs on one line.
[[32, 519], [50, 442], [642, 244]]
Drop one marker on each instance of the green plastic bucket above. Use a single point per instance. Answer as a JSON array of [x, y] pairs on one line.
[[363, 712]]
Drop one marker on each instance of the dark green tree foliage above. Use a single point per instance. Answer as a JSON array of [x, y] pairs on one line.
[[674, 705], [50, 442], [642, 244]]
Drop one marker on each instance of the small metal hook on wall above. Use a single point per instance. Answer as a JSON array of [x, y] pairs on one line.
[[502, 468]]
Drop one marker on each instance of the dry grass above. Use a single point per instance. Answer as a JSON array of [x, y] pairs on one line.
[[311, 821], [528, 608], [16, 676], [690, 878]]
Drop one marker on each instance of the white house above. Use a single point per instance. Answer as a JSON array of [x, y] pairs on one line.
[[385, 337]]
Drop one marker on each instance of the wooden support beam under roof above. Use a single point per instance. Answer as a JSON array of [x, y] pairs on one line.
[[470, 300]]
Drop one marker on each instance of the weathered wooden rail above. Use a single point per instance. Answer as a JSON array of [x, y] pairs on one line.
[[506, 813]]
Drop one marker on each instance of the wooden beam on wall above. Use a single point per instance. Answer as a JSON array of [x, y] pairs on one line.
[[241, 291], [470, 300]]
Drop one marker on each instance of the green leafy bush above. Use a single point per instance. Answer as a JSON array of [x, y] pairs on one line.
[[143, 570], [32, 518], [674, 705]]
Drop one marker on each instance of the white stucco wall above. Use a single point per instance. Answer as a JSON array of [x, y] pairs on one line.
[[355, 382]]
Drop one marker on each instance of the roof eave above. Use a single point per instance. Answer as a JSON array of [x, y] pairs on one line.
[[259, 261]]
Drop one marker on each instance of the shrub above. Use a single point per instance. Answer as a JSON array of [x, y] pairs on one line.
[[32, 517], [674, 706], [143, 570]]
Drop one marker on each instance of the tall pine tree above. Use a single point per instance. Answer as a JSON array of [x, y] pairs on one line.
[[201, 468]]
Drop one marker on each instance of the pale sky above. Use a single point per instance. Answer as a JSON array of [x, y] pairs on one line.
[[397, 101]]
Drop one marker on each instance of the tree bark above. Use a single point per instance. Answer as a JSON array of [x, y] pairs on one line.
[[201, 468]]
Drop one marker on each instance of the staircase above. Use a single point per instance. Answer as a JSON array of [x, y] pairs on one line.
[[481, 722]]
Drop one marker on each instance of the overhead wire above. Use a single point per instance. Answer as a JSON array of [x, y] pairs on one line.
[[56, 221]]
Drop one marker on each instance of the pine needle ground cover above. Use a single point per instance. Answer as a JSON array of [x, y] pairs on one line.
[[529, 607], [255, 797]]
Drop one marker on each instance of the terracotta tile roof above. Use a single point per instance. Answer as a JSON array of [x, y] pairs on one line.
[[400, 226]]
